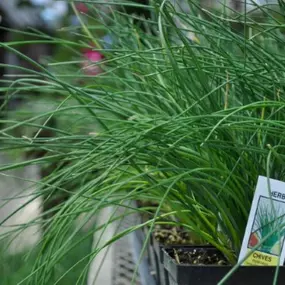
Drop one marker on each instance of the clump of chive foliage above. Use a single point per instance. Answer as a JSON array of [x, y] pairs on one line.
[[188, 124]]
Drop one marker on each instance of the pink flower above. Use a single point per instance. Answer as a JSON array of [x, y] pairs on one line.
[[93, 55], [89, 65], [81, 7]]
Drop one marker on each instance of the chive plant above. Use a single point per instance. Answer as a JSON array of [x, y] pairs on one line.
[[185, 121]]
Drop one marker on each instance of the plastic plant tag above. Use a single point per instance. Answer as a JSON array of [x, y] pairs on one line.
[[265, 227]]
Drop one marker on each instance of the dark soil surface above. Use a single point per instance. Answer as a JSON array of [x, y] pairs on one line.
[[168, 234], [199, 256], [171, 235]]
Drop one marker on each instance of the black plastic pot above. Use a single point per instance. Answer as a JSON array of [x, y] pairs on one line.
[[157, 260], [187, 274], [156, 256]]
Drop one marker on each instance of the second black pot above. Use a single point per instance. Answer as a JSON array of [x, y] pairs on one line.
[[156, 261]]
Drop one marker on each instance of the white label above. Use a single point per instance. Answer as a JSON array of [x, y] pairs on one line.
[[263, 220]]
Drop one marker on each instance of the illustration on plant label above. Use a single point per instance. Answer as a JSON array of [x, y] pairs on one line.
[[268, 220], [263, 242]]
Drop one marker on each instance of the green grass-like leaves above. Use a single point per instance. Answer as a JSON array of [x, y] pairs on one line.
[[186, 124]]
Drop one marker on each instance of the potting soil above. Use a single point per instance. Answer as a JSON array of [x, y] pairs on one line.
[[199, 256]]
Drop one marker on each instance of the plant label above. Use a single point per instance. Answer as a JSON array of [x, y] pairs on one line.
[[263, 241]]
